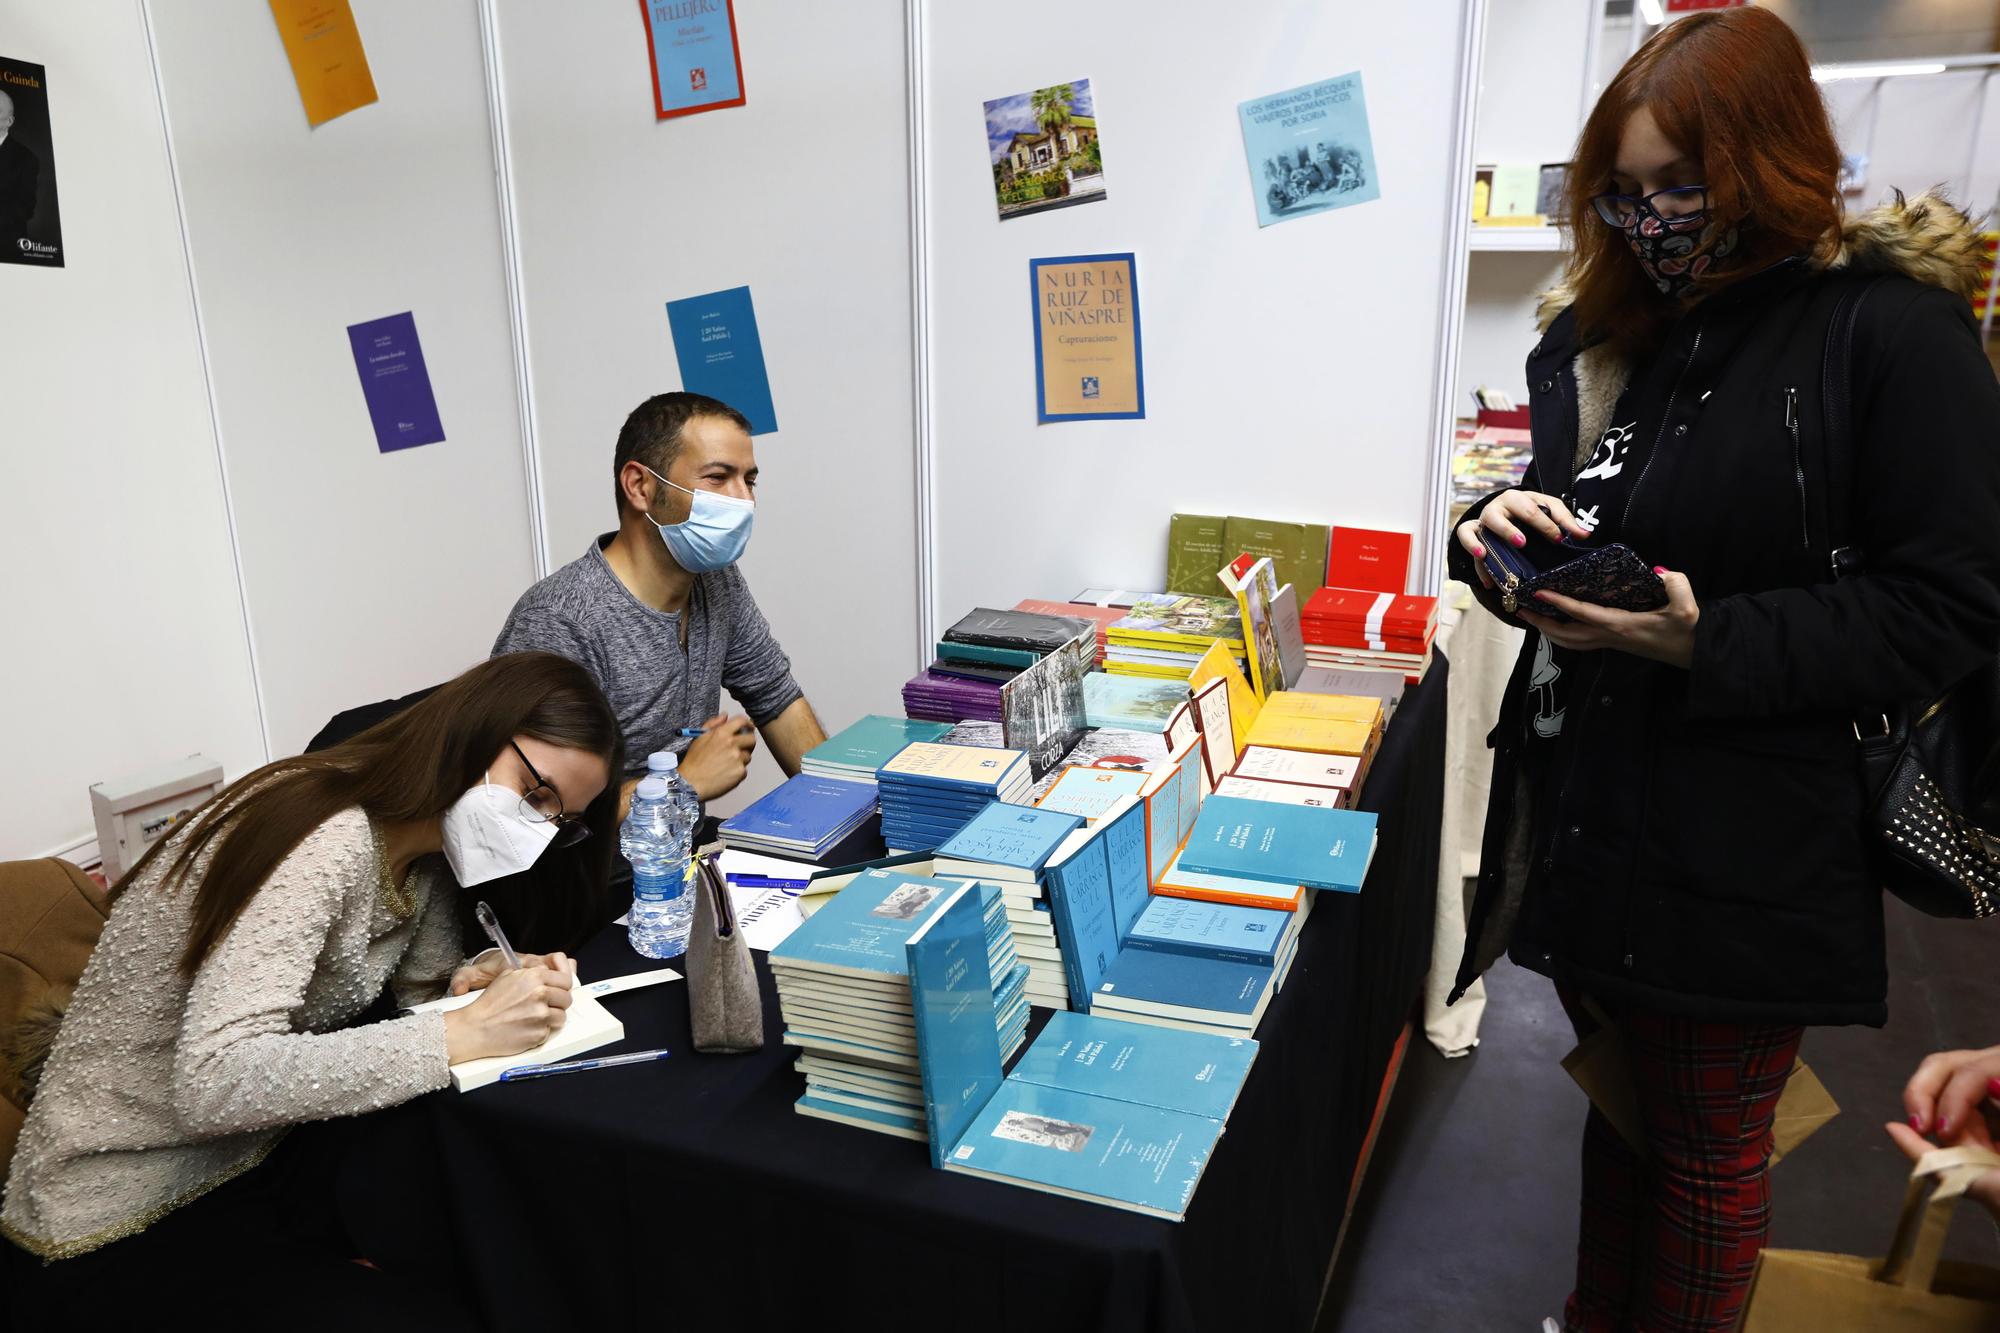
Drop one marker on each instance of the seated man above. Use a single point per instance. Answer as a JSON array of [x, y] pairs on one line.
[[659, 613]]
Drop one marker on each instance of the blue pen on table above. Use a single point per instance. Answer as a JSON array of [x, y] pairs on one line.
[[765, 882], [577, 1066], [691, 732], [491, 925]]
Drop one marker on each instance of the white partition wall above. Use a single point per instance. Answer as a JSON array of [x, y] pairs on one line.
[[124, 645], [368, 574], [803, 194], [1291, 372]]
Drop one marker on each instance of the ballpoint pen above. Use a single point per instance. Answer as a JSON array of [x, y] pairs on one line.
[[491, 925], [520, 1072]]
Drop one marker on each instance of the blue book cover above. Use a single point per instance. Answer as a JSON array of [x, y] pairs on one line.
[[1018, 836], [1080, 902], [958, 1053], [1142, 1158], [1197, 1072], [908, 1126], [1090, 792], [804, 810], [1210, 930], [395, 382], [1124, 838], [1309, 149], [1281, 844], [720, 354], [696, 63], [1134, 703], [862, 929], [1182, 981], [925, 800], [873, 741]]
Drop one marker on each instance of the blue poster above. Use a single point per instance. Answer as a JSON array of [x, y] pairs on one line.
[[715, 340], [696, 65], [1309, 150], [390, 361]]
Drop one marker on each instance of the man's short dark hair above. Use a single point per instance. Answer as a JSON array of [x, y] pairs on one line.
[[651, 436]]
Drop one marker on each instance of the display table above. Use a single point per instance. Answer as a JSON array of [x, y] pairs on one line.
[[687, 1192]]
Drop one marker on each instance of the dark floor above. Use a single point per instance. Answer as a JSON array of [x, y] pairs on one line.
[[1467, 1219]]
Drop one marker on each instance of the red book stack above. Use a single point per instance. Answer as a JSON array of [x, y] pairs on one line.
[[1364, 618]]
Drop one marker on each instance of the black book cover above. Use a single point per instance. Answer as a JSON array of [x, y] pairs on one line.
[[1028, 630], [998, 675]]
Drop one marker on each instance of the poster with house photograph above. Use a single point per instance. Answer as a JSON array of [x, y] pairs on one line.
[[1043, 149]]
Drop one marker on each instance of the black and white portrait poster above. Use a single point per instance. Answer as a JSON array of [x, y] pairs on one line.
[[30, 227]]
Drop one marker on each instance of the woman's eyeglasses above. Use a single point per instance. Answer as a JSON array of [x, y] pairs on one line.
[[1625, 211], [542, 804]]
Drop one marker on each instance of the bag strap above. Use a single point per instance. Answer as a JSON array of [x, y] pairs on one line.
[[1836, 395], [1936, 1182]]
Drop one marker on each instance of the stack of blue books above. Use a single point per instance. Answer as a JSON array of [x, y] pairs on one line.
[[1006, 849], [844, 990], [1098, 1110], [805, 817], [929, 791], [858, 751]]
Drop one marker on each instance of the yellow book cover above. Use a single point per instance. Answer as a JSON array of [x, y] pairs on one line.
[[1217, 664], [1152, 670], [1326, 707], [1286, 732], [324, 47], [977, 765]]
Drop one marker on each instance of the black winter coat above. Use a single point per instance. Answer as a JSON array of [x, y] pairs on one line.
[[1710, 855]]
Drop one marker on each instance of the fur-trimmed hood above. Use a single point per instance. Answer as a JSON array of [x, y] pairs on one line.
[[1926, 238]]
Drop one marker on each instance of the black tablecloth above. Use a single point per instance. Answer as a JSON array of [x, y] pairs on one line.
[[689, 1190]]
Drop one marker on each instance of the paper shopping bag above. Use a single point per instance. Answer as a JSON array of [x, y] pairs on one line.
[[1911, 1291], [1600, 1067]]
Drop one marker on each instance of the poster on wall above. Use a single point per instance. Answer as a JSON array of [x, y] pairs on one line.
[[1043, 150], [696, 63], [328, 63], [395, 382], [30, 227], [1309, 149], [720, 354], [1088, 365]]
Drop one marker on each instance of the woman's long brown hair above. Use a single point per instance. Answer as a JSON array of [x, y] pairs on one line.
[[1734, 91], [412, 767]]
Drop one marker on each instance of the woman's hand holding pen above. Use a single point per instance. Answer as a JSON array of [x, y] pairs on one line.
[[515, 1012]]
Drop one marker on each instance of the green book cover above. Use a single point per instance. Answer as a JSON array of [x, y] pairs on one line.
[[1194, 553], [1297, 550], [979, 652]]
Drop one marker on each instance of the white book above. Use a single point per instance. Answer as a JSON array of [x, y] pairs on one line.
[[852, 1116], [1275, 765], [587, 1025], [1289, 793], [812, 1065]]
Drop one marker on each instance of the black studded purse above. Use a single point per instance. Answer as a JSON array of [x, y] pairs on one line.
[[1930, 771]]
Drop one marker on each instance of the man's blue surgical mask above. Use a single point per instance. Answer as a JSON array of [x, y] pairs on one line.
[[714, 535]]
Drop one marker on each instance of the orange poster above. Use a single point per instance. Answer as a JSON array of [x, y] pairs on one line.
[[324, 47], [1087, 362]]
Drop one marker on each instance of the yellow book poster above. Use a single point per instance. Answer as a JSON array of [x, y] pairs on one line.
[[1087, 360], [324, 47]]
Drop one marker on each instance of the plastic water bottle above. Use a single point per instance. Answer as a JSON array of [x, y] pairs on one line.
[[655, 839]]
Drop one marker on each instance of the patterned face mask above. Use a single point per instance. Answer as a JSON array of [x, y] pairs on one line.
[[1666, 247]]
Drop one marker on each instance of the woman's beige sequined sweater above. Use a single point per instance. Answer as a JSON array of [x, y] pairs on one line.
[[162, 1086]]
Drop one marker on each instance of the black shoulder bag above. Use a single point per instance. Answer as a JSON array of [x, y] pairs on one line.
[[1930, 770]]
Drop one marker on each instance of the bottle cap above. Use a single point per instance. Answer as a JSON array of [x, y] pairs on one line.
[[651, 789], [662, 761]]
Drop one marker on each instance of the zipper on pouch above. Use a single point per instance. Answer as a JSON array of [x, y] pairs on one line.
[[1798, 463]]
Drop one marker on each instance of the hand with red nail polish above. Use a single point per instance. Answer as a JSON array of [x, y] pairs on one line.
[[1950, 1094]]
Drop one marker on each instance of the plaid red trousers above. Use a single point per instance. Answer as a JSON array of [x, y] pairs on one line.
[[1668, 1241]]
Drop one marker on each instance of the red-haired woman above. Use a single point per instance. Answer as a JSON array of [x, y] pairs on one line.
[[1676, 834]]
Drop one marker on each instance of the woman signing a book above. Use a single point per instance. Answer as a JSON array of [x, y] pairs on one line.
[[223, 1004], [1677, 834]]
